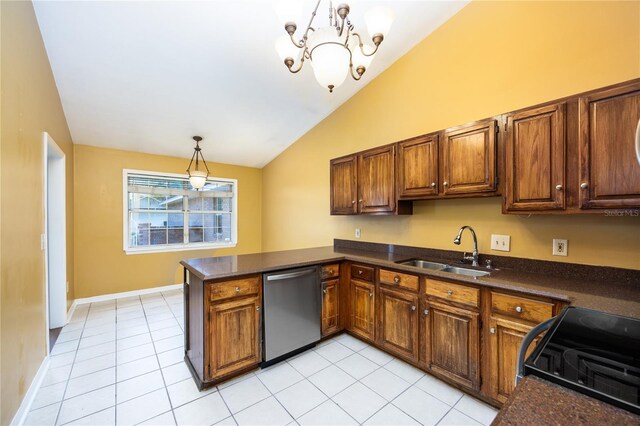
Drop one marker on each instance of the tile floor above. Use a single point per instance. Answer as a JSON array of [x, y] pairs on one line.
[[121, 362]]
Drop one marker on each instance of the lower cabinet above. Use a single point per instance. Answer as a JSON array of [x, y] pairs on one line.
[[362, 296], [452, 346], [330, 306], [398, 325]]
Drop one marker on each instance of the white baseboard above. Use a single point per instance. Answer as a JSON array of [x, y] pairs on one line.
[[27, 401], [104, 297], [72, 309]]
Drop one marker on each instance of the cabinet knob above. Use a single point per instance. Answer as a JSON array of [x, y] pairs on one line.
[[558, 187], [237, 289], [413, 307], [519, 309], [492, 330], [450, 292], [396, 279], [353, 201], [324, 290], [445, 183], [426, 312], [370, 294], [330, 271], [359, 271], [584, 185], [360, 200], [433, 184], [257, 308]]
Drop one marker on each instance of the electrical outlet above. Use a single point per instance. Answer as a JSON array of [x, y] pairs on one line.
[[501, 242], [560, 247], [357, 232]]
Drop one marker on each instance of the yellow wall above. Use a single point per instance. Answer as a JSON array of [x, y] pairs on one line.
[[30, 106], [492, 57], [102, 266]]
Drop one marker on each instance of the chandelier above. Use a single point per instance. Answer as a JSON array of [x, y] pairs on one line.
[[335, 50], [197, 177]]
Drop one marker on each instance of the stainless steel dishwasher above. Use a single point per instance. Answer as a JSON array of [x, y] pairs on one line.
[[291, 312]]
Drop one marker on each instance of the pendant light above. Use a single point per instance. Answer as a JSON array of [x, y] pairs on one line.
[[197, 177]]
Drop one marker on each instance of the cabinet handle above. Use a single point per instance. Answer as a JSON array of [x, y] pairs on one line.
[[450, 292], [413, 307], [584, 185], [519, 309], [445, 183], [396, 279], [558, 187], [237, 289], [433, 184], [492, 330], [426, 312]]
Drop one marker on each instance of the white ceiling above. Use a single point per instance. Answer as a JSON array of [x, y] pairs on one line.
[[146, 76]]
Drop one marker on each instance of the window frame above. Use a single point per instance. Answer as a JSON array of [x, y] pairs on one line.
[[174, 247]]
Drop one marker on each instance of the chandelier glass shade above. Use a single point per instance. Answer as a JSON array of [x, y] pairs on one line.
[[197, 176], [335, 50]]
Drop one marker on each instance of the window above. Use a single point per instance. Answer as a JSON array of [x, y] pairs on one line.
[[162, 212]]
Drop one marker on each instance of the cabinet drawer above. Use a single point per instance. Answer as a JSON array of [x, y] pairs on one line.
[[363, 273], [329, 271], [520, 307], [227, 289], [453, 292], [398, 279]]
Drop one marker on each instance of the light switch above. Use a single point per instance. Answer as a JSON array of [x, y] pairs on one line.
[[501, 242], [357, 232]]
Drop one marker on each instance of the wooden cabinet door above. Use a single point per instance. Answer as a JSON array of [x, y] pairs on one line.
[[469, 159], [233, 336], [418, 167], [609, 169], [363, 309], [330, 306], [376, 193], [504, 343], [399, 322], [343, 185], [453, 347], [535, 162]]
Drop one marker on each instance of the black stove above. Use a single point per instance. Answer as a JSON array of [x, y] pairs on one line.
[[594, 353]]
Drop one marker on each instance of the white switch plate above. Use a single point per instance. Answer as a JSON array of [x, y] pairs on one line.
[[357, 232], [501, 242], [560, 247]]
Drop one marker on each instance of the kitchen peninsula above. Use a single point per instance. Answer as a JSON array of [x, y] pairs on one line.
[[406, 311]]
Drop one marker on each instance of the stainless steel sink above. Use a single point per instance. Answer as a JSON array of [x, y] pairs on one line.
[[465, 271], [424, 264], [435, 266]]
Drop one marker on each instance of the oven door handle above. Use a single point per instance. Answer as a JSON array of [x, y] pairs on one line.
[[530, 337]]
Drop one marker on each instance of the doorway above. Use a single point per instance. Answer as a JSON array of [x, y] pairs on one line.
[[55, 238]]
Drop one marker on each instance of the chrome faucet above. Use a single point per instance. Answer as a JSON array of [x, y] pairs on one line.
[[474, 255]]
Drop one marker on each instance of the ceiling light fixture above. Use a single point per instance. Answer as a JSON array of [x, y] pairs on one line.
[[197, 177], [335, 50]]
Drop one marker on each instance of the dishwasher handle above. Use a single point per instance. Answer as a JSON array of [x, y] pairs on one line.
[[289, 275], [530, 337]]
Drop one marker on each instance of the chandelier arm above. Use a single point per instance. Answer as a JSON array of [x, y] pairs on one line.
[[299, 44], [205, 163], [191, 162], [361, 45], [292, 71], [354, 76]]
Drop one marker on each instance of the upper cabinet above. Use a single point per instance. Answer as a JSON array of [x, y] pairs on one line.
[[469, 159], [609, 170], [535, 159], [344, 190], [376, 192], [364, 183], [418, 167]]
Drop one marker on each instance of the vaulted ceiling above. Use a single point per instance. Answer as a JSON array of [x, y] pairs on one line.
[[146, 76]]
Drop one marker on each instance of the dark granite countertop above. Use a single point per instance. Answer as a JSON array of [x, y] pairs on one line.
[[608, 295], [539, 402]]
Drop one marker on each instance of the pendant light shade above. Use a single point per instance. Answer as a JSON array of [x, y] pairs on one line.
[[197, 176], [329, 57]]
